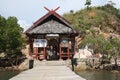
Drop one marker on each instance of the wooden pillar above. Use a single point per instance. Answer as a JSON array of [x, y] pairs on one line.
[[74, 45], [44, 53], [60, 53], [29, 52], [68, 50], [36, 52]]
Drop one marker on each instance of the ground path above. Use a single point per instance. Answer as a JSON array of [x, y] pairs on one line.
[[48, 71]]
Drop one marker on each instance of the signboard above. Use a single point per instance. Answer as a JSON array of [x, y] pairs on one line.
[[40, 43], [52, 35]]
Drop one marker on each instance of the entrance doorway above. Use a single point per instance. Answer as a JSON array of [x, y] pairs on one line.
[[53, 49]]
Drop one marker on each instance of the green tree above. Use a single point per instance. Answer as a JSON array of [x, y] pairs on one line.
[[88, 3], [109, 48], [14, 40], [95, 42], [11, 40], [115, 49], [2, 35], [111, 3]]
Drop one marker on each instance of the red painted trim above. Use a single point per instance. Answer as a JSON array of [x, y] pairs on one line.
[[52, 10], [56, 9], [47, 9], [36, 53]]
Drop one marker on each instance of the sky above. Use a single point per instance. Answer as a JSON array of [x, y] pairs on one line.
[[28, 11]]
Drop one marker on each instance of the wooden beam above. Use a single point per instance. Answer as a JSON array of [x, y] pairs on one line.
[[56, 9], [60, 53], [47, 9], [52, 9]]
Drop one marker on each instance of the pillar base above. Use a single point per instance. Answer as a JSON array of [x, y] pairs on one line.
[[44, 60], [60, 59]]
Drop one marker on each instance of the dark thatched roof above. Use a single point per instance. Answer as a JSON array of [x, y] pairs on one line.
[[51, 23], [51, 26]]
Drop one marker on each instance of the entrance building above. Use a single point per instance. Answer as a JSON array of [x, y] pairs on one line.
[[51, 37]]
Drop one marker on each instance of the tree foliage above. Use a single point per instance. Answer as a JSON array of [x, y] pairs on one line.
[[109, 48], [11, 40], [88, 3], [2, 35]]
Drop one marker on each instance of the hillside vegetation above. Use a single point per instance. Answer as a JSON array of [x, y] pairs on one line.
[[99, 29], [106, 18]]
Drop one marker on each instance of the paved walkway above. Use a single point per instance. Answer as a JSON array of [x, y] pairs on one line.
[[46, 72]]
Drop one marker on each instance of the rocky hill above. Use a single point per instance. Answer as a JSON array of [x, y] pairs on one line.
[[104, 20]]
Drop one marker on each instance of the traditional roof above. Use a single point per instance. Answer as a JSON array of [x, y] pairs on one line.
[[51, 23]]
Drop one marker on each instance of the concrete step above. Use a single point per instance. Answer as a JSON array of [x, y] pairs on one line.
[[50, 63]]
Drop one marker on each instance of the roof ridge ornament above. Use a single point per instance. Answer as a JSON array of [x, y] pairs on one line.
[[52, 11]]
